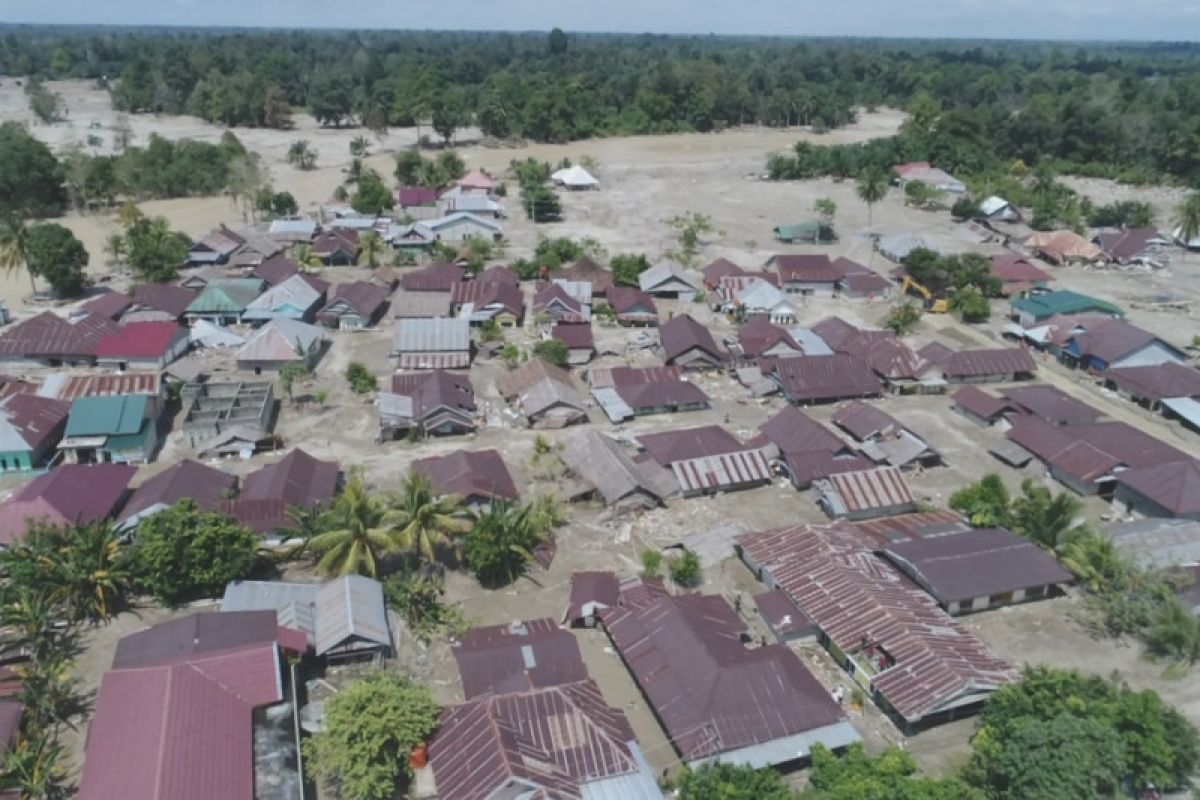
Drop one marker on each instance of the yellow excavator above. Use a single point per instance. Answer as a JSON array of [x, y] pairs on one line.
[[932, 305]]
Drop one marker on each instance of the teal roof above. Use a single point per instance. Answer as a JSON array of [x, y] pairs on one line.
[[811, 230], [226, 296], [115, 415], [1041, 306]]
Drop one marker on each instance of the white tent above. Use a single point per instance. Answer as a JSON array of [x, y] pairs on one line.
[[575, 177]]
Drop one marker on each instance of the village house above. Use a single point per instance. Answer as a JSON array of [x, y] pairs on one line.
[[109, 304], [979, 570], [337, 247], [593, 592], [224, 301], [806, 274], [1028, 311], [257, 248], [761, 338], [985, 365], [439, 277], [30, 429], [282, 341], [118, 429], [476, 478], [865, 494], [1116, 343], [431, 344], [215, 248], [412, 236], [418, 202], [924, 172], [564, 301], [883, 439], [482, 301], [68, 495], [420, 305], [578, 338], [707, 460], [275, 270], [997, 209], [434, 403], [1133, 246], [809, 232], [49, 340], [270, 494], [457, 199], [611, 475], [626, 392], [517, 656], [670, 279], [544, 395], [716, 698], [1018, 275], [208, 487], [1050, 404], [805, 450], [919, 665], [166, 678], [632, 306], [687, 343], [575, 179], [860, 283], [158, 302], [344, 620], [296, 298], [760, 299], [823, 379], [1170, 490], [585, 269], [354, 306], [1151, 386], [143, 345], [293, 231], [462, 226], [980, 407]]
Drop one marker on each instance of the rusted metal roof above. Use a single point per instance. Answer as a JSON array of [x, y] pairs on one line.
[[1052, 404], [72, 387], [1157, 382], [720, 472], [472, 475], [71, 494], [297, 479], [906, 527], [689, 443], [980, 403], [49, 336], [793, 431], [864, 421], [1173, 487], [867, 490], [682, 334], [823, 378], [517, 656], [988, 362], [434, 278], [859, 601]]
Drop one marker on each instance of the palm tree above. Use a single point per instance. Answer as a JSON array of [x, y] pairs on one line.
[[501, 542], [12, 249], [301, 155], [355, 171], [372, 246], [38, 627], [425, 523], [89, 576], [1187, 219], [1175, 633], [303, 255], [1044, 517], [872, 187], [31, 768], [357, 532]]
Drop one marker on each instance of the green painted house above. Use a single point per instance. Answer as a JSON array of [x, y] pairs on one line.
[[224, 300], [120, 429], [1036, 308]]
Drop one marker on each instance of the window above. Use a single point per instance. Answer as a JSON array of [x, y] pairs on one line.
[[1000, 599]]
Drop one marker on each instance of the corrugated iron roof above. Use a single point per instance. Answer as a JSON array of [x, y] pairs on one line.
[[279, 341], [226, 296], [725, 471], [117, 415], [689, 443], [987, 362], [816, 378], [681, 334], [49, 336], [517, 656], [479, 474], [1157, 382], [869, 489], [432, 336]]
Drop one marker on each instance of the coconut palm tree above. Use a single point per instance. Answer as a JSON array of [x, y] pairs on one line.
[[31, 768], [372, 247], [501, 542], [12, 249], [303, 255], [872, 187], [357, 532], [86, 570], [426, 523], [1187, 219]]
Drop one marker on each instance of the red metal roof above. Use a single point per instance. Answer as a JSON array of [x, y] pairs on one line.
[[298, 479], [725, 471], [720, 268], [596, 589], [515, 657], [980, 403], [817, 378], [626, 300], [35, 419], [1112, 339], [49, 336], [141, 340], [551, 741], [760, 334], [1157, 382], [434, 278], [807, 268], [1012, 268], [712, 693], [689, 443], [793, 431], [659, 394], [1052, 404], [188, 479], [905, 527], [149, 383], [1080, 450], [410, 196], [987, 362], [1175, 487], [781, 614], [479, 474], [857, 599], [805, 468], [108, 304], [864, 421], [276, 269], [165, 297], [71, 494], [575, 335], [363, 297]]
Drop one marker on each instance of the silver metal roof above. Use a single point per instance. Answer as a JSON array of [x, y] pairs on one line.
[[432, 335]]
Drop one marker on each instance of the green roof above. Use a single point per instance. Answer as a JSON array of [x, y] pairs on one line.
[[226, 296], [808, 231], [115, 415], [1041, 306]]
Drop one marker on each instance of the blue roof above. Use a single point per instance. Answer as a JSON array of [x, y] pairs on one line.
[[114, 415]]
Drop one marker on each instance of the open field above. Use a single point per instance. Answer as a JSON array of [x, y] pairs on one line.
[[646, 180]]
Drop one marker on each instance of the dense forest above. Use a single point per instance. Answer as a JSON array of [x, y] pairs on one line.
[[1121, 110]]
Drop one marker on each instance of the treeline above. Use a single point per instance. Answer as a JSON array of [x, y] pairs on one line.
[[1097, 105]]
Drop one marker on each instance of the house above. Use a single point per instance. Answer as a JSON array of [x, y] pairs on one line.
[[632, 306], [282, 341], [439, 277], [865, 494], [980, 407], [689, 344], [214, 411], [612, 475], [806, 449], [985, 365], [215, 248], [293, 231], [354, 306], [761, 338], [1018, 275], [476, 478], [860, 283], [420, 305], [1169, 490], [670, 279], [760, 299], [1149, 386], [344, 619], [1050, 404], [118, 429], [577, 336], [224, 301], [806, 275], [810, 232], [823, 379], [625, 392], [591, 592], [916, 662], [1133, 246], [30, 429], [477, 180], [1156, 543], [337, 247], [71, 387], [412, 236], [716, 698], [898, 246], [194, 708], [516, 657], [585, 269], [270, 493], [462, 226], [436, 403], [721, 268], [488, 301], [297, 298], [47, 339], [882, 438], [108, 304], [69, 495], [143, 345], [256, 249], [997, 209], [575, 178], [886, 531], [546, 396], [1040, 307], [206, 486], [418, 202], [1116, 343], [923, 172], [431, 344], [708, 460], [564, 301], [979, 569], [512, 745], [159, 302], [1063, 247], [456, 199]]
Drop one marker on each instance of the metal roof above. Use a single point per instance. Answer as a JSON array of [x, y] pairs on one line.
[[479, 474], [1158, 543], [281, 340], [226, 296], [1174, 487], [681, 334], [867, 490], [295, 294], [1052, 404], [600, 461], [116, 415], [720, 472], [517, 656], [48, 335], [432, 336], [815, 378], [1157, 382], [987, 362], [70, 494], [1048, 304], [856, 598], [28, 421], [689, 443]]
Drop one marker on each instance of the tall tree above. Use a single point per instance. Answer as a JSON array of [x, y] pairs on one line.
[[13, 237], [426, 523], [871, 188], [1187, 220], [357, 531], [31, 179], [54, 254], [302, 155]]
